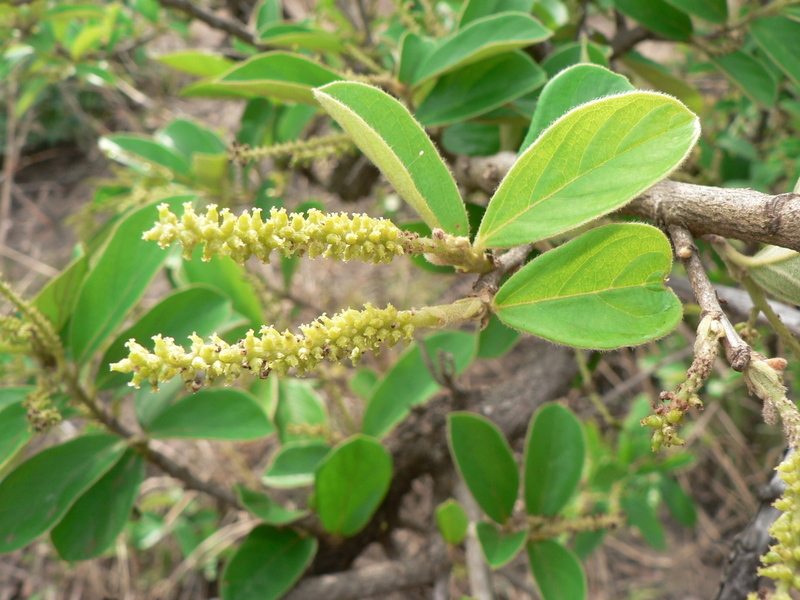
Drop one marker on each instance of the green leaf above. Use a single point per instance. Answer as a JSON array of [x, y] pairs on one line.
[[557, 571], [15, 431], [572, 87], [222, 414], [57, 299], [479, 88], [38, 492], [123, 271], [299, 405], [593, 160], [188, 138], [477, 9], [498, 547], [196, 309], [554, 454], [659, 17], [149, 403], [496, 339], [485, 462], [777, 270], [714, 11], [749, 75], [257, 122], [413, 50], [779, 38], [196, 62], [387, 133], [295, 463], [96, 519], [452, 521], [409, 382], [351, 483], [679, 503], [363, 383], [661, 79], [265, 508], [291, 35], [602, 290], [280, 75], [267, 564], [575, 53], [231, 279], [472, 139], [142, 153], [496, 34], [641, 512]]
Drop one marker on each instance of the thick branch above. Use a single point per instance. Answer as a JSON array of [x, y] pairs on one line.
[[375, 580], [742, 214]]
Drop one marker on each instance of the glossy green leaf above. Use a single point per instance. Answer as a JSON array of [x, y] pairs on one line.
[[387, 133], [479, 88], [267, 564], [661, 79], [351, 483], [409, 382], [299, 406], [15, 431], [196, 309], [280, 75], [604, 289], [149, 403], [574, 53], [142, 153], [265, 508], [714, 11], [499, 547], [557, 571], [553, 13], [119, 278], [38, 492], [593, 160], [57, 299], [554, 454], [485, 462], [777, 270], [188, 138], [640, 509], [265, 13], [295, 463], [291, 35], [749, 75], [572, 87], [452, 521], [679, 503], [659, 17], [221, 414], [473, 10], [257, 122], [96, 519], [496, 339], [779, 38], [482, 38], [363, 383], [196, 62]]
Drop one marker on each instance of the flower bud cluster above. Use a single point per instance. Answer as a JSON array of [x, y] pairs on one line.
[[338, 236], [345, 335], [783, 559]]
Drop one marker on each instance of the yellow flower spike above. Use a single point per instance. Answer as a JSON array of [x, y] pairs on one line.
[[349, 333], [339, 236]]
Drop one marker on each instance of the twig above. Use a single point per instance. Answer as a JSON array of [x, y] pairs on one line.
[[736, 349], [480, 580], [28, 261], [233, 28], [487, 284], [10, 158], [626, 39]]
